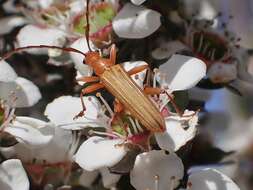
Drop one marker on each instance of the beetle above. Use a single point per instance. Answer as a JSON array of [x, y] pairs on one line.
[[117, 81]]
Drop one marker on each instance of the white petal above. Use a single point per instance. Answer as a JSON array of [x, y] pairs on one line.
[[136, 22], [63, 109], [181, 72], [138, 2], [109, 179], [13, 176], [10, 22], [29, 134], [35, 35], [168, 49], [78, 59], [7, 74], [211, 179], [139, 77], [98, 152], [167, 167], [222, 73], [25, 91], [178, 132]]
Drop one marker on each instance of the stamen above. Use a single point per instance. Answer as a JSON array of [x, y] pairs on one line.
[[133, 125], [106, 104], [201, 42], [129, 131], [75, 144], [213, 55], [138, 126], [205, 48], [156, 182], [113, 135], [155, 76]]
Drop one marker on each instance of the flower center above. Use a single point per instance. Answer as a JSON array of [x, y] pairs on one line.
[[54, 15], [100, 18], [209, 46]]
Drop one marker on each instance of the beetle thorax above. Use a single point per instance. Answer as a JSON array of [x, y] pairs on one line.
[[94, 60]]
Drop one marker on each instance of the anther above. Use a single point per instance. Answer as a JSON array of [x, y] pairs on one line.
[[106, 104]]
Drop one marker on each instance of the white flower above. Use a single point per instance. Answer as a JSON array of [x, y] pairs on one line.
[[136, 22], [24, 91], [179, 130], [54, 156], [157, 170], [13, 176], [63, 110]]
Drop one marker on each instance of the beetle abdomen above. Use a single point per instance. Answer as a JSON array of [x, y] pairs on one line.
[[119, 84]]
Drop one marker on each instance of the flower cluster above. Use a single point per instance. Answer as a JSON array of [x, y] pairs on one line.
[[162, 50]]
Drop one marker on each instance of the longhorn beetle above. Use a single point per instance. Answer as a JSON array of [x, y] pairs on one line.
[[118, 82]]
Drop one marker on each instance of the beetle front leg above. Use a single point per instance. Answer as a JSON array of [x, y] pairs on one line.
[[138, 69], [87, 90]]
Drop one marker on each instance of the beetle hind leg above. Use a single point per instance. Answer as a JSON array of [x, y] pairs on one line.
[[157, 91]]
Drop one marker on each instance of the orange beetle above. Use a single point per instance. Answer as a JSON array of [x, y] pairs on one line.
[[117, 81]]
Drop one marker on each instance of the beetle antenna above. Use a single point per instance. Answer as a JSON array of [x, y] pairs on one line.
[[67, 49], [87, 27]]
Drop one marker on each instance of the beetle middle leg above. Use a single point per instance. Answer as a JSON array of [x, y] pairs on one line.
[[88, 90]]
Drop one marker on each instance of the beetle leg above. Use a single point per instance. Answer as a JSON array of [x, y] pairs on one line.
[[113, 54], [137, 69], [87, 90], [88, 79], [154, 91]]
